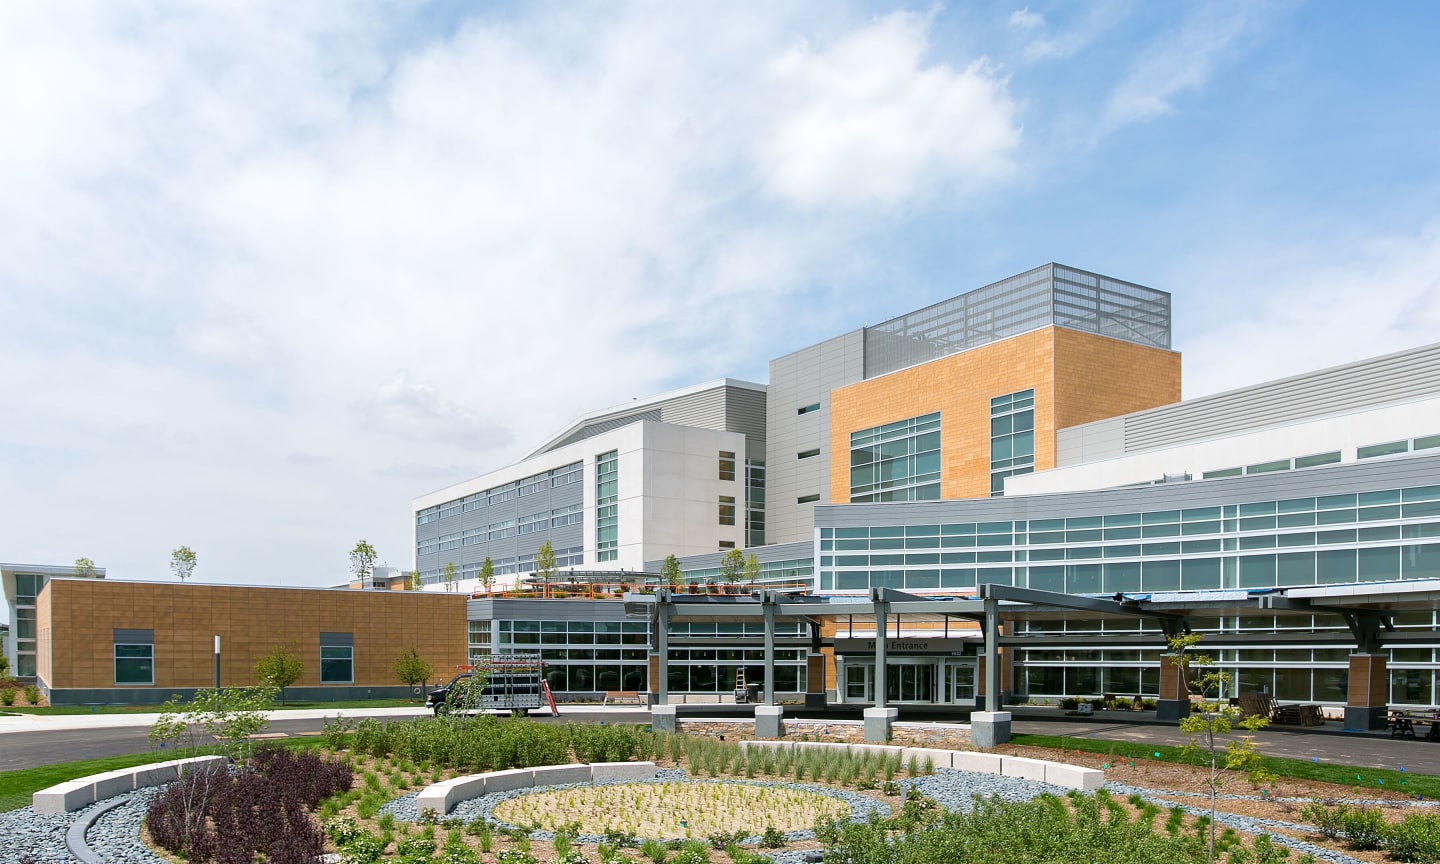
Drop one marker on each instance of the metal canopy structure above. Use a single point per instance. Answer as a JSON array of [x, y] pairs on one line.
[[1368, 610]]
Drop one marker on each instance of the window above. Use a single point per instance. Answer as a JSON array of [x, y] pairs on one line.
[[1222, 472], [806, 409], [607, 513], [896, 462], [806, 454], [134, 657], [533, 523], [807, 499], [1012, 437], [727, 544], [1268, 467], [1387, 449], [754, 503], [1429, 442], [1318, 459], [567, 474], [727, 465], [727, 509], [563, 516], [449, 508], [337, 658]]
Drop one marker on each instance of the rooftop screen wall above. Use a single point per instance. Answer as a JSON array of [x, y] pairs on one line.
[[1049, 295]]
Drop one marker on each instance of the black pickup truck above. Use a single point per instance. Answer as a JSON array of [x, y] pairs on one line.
[[507, 691]]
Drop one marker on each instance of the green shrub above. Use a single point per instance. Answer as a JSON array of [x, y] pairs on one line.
[[7, 696], [32, 695], [1416, 838]]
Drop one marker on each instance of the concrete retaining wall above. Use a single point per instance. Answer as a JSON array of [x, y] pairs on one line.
[[82, 792], [441, 797], [1055, 773]]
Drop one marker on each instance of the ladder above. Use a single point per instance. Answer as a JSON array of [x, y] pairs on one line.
[[742, 692], [549, 697]]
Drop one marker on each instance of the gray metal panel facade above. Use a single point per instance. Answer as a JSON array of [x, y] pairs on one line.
[[600, 427], [805, 377], [1370, 476], [763, 554], [1392, 379], [516, 545], [507, 609]]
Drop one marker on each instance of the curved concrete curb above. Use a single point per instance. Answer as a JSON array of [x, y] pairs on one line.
[[1054, 773], [84, 791], [75, 837], [441, 797]]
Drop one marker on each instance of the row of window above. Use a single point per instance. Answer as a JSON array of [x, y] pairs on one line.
[[770, 571], [570, 556], [1370, 451], [1328, 567], [607, 510], [554, 478], [135, 664], [1012, 437], [898, 461]]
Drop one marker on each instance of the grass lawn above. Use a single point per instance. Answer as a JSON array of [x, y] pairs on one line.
[[1416, 784], [16, 787], [154, 709]]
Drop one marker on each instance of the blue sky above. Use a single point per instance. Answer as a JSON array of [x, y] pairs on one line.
[[268, 271]]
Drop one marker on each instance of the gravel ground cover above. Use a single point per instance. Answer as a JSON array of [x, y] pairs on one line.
[[115, 835]]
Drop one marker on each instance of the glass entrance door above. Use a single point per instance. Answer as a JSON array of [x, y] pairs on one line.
[[961, 680], [910, 682]]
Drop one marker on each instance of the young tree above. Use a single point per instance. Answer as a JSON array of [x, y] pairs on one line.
[[1207, 728], [670, 571], [85, 567], [449, 574], [412, 580], [731, 565], [182, 563], [545, 561], [279, 669], [362, 561], [752, 568], [487, 573], [411, 668]]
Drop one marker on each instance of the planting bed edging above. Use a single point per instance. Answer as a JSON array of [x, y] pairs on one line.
[[1054, 773], [439, 798], [84, 791]]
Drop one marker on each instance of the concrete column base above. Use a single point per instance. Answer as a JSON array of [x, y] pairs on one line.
[[768, 722], [1361, 719], [988, 728], [662, 718], [877, 724], [1172, 710]]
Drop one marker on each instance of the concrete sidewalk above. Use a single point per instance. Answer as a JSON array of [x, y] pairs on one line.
[[57, 722]]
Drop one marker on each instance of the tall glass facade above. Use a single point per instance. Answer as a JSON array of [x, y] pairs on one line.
[[896, 462], [607, 514], [1012, 437], [1365, 537], [1101, 547]]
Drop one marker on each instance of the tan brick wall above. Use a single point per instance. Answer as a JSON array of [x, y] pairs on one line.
[[1096, 377], [1077, 378], [82, 615]]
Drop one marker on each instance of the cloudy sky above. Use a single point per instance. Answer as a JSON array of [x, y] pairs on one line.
[[270, 270]]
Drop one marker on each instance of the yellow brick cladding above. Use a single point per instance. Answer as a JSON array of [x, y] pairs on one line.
[[1077, 377], [81, 615]]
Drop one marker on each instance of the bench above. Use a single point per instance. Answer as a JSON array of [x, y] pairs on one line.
[[1264, 705], [632, 697]]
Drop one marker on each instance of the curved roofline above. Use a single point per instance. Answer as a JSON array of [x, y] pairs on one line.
[[639, 405]]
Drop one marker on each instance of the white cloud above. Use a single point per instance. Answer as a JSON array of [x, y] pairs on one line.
[[864, 120], [1318, 310], [1024, 19], [225, 228], [1183, 60]]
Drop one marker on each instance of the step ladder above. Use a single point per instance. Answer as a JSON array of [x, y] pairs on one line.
[[742, 692], [549, 697]]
